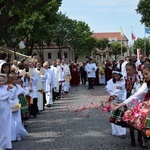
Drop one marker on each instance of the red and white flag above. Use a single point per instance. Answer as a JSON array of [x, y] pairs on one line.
[[133, 36]]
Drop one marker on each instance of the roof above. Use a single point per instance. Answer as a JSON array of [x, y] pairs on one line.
[[110, 35]]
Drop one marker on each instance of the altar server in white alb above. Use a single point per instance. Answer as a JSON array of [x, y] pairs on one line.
[[6, 93], [49, 85], [117, 92], [42, 76], [91, 68], [58, 77], [17, 129]]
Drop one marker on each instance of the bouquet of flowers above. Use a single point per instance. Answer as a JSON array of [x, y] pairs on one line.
[[138, 115]]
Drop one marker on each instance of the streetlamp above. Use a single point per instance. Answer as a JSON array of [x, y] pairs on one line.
[[13, 39]]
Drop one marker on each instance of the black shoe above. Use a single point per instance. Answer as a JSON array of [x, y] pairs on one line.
[[48, 105], [133, 143], [140, 141], [145, 147], [25, 124]]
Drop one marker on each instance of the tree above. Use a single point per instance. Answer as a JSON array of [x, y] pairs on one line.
[[116, 48], [143, 44], [143, 8], [78, 34], [61, 32], [34, 27], [102, 43], [13, 12]]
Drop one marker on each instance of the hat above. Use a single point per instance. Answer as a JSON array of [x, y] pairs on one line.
[[2, 75], [116, 72]]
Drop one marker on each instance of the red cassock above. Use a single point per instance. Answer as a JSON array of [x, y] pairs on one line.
[[75, 80]]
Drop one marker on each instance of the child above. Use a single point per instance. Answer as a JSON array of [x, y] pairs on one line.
[[142, 93], [116, 89], [6, 93], [133, 83], [17, 129], [24, 103]]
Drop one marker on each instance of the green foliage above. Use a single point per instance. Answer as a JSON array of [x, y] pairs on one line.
[[143, 8], [143, 44], [102, 43], [116, 48], [25, 17], [79, 37]]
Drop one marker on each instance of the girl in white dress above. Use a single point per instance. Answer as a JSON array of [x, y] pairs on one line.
[[6, 93], [117, 91], [17, 129]]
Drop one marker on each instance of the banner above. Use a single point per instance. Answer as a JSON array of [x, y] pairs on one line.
[[21, 45], [147, 30], [138, 53]]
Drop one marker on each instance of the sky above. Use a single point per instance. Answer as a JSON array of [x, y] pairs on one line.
[[106, 15]]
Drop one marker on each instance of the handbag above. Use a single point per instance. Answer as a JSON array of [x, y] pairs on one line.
[[15, 108]]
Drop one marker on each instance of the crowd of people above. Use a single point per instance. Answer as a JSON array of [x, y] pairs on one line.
[[129, 97], [29, 85]]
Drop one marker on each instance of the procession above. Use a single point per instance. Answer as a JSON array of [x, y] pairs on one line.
[[29, 87], [74, 75]]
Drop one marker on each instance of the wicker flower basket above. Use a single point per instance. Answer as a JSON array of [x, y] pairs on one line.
[[15, 108]]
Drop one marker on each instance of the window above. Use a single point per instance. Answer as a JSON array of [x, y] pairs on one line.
[[49, 56], [65, 55]]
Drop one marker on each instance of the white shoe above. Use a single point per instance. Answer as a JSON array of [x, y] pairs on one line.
[[18, 138]]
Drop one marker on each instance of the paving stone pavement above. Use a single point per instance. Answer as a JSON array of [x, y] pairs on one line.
[[64, 127]]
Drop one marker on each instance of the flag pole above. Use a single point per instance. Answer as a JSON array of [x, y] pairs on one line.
[[132, 41], [121, 46], [121, 41], [144, 43]]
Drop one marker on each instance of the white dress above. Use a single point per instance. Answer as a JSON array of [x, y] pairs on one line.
[[5, 116], [117, 89], [17, 128]]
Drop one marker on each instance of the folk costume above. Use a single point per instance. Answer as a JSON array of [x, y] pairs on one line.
[[133, 83], [24, 107], [138, 114], [118, 90], [139, 65], [6, 116]]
